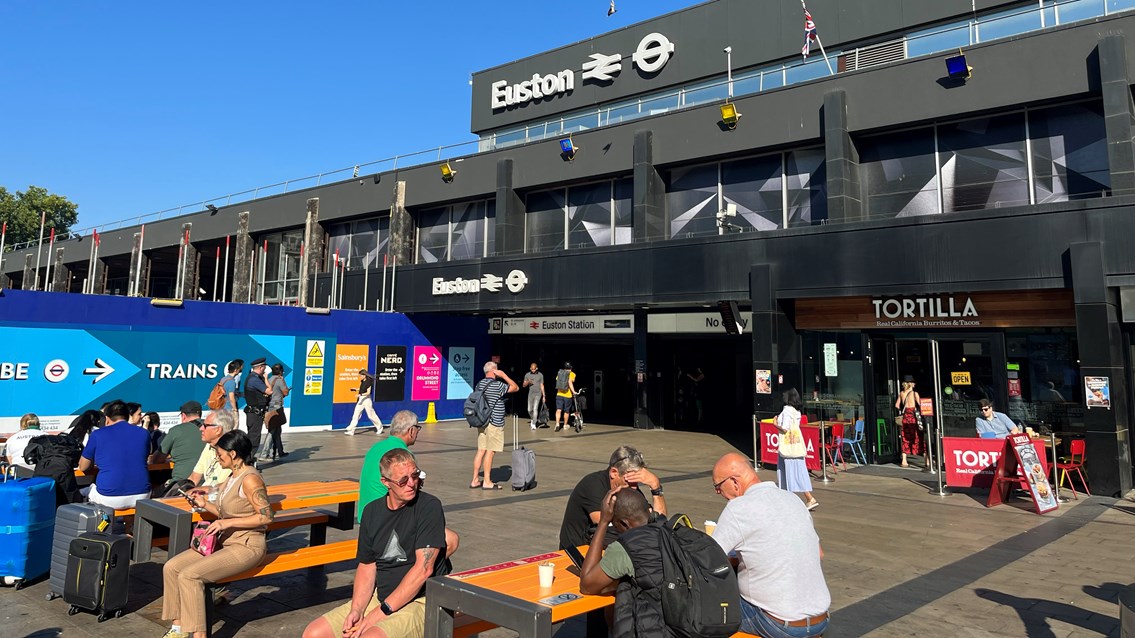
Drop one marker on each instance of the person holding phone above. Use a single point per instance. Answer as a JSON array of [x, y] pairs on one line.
[[364, 403]]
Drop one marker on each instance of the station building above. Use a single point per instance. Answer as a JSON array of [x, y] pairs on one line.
[[871, 214]]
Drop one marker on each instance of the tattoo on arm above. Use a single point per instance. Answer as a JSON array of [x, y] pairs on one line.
[[260, 501]]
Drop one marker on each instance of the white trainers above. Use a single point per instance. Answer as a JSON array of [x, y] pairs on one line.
[[349, 432], [533, 426]]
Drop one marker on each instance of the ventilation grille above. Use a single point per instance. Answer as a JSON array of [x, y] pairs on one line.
[[876, 54]]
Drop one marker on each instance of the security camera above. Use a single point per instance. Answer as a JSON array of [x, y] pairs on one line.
[[727, 50]]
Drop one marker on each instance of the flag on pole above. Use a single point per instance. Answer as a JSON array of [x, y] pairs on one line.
[[809, 33]]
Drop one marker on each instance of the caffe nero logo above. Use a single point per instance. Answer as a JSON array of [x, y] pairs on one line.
[[942, 310]]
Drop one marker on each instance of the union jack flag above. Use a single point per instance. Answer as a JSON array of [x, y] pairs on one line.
[[809, 33]]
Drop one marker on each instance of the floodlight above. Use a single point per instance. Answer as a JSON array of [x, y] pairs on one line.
[[447, 173], [212, 208], [166, 303], [957, 68], [729, 115], [568, 148], [317, 311]]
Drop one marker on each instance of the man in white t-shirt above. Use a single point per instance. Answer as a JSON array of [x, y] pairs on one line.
[[769, 533], [18, 442]]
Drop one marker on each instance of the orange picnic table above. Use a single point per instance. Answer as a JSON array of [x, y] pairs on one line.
[[509, 595]]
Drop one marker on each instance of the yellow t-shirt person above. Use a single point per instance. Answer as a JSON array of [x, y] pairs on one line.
[[566, 392]]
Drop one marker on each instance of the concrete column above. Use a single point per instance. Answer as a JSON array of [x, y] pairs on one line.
[[5, 281], [509, 229], [1100, 342], [647, 409], [97, 278], [845, 201], [60, 274], [651, 219], [401, 246], [139, 267], [1118, 112], [190, 259], [29, 272], [776, 344], [242, 261], [311, 263]]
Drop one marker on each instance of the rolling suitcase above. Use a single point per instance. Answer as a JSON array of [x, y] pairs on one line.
[[72, 521], [27, 516], [523, 462], [98, 574]]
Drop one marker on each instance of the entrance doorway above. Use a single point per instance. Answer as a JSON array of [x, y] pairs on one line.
[[950, 374]]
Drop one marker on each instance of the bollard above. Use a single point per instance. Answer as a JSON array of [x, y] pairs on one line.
[[431, 414]]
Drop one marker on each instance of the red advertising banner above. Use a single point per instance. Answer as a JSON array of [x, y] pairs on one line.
[[770, 441], [972, 462]]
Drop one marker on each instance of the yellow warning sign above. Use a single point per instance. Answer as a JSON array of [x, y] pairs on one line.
[[315, 350], [960, 378]]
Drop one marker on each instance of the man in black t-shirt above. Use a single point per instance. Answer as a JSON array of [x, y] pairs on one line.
[[626, 468], [364, 403], [401, 544]]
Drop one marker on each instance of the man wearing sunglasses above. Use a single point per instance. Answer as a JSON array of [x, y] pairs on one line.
[[769, 533], [401, 545], [208, 472], [992, 424]]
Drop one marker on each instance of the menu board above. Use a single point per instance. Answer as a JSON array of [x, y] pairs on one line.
[[1020, 465]]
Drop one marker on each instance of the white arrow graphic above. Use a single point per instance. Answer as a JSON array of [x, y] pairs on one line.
[[435, 359], [101, 370]]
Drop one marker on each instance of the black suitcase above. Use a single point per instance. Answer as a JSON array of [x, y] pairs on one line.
[[71, 521], [98, 574]]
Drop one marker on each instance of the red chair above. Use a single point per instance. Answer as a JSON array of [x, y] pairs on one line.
[[834, 445], [1075, 463]]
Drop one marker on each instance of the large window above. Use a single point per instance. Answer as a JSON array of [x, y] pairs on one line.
[[583, 216], [983, 163], [280, 269], [1069, 152], [361, 243], [900, 174], [456, 232]]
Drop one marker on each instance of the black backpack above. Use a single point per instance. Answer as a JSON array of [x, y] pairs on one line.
[[562, 379], [62, 446], [478, 411], [700, 597]]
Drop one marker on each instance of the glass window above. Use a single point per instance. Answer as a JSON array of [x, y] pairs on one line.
[[281, 267], [581, 122], [622, 113], [468, 231], [624, 211], [491, 227], [544, 221], [1075, 10], [1005, 24], [1049, 393], [772, 78], [364, 244], [691, 197], [983, 163], [754, 185], [898, 174], [814, 68], [1115, 6], [938, 39], [747, 83], [589, 215], [433, 235], [1069, 147], [706, 92], [338, 241], [660, 104], [509, 138], [806, 173], [833, 393]]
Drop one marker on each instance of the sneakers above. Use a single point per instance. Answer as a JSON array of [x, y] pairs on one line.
[[813, 504], [349, 432], [558, 427], [532, 427], [175, 634]]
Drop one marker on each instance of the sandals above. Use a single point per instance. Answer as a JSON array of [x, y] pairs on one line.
[[813, 504], [494, 486], [475, 486]]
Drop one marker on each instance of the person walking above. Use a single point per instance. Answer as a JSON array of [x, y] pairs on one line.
[[791, 466], [909, 406], [276, 419], [565, 394], [364, 403], [534, 381], [490, 437]]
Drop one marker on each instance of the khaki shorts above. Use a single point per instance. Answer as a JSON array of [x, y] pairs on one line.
[[408, 622], [490, 438]]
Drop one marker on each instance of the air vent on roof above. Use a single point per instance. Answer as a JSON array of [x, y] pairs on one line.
[[875, 55]]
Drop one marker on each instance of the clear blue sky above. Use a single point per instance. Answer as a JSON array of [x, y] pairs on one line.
[[128, 108]]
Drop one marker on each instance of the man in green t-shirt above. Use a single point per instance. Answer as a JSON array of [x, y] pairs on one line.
[[182, 444], [404, 430]]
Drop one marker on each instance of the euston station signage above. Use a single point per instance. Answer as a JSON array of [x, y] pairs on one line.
[[578, 324], [515, 282]]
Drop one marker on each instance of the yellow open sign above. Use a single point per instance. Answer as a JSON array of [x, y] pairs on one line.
[[960, 378]]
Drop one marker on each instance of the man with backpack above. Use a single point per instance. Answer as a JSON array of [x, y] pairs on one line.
[[565, 394], [769, 533], [490, 435]]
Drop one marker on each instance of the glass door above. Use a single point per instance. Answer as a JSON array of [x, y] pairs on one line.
[[970, 368], [882, 390]]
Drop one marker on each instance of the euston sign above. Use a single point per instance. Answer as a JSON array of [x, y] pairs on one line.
[[652, 54], [515, 282]]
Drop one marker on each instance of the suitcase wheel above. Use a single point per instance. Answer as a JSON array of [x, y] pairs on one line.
[[72, 610], [103, 616], [118, 613], [19, 584], [51, 595]]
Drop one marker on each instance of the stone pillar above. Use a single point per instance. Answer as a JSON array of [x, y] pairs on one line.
[[776, 346], [509, 230], [647, 408], [1118, 113], [1100, 342], [311, 262], [651, 220], [29, 273], [845, 201], [139, 266], [5, 280], [401, 246], [60, 274], [242, 261], [189, 265], [97, 278]]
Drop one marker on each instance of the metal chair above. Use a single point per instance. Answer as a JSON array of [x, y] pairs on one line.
[[1075, 463], [834, 447], [856, 444]]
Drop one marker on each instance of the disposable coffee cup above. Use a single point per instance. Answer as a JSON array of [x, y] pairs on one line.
[[710, 526], [547, 575]]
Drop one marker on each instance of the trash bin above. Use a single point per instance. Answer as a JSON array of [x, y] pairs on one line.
[[1127, 612]]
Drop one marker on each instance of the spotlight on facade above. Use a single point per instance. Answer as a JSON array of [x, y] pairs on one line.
[[166, 303], [957, 68], [568, 149], [318, 311], [729, 115], [212, 208], [447, 173]]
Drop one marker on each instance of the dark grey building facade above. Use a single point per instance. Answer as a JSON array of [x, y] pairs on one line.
[[868, 223]]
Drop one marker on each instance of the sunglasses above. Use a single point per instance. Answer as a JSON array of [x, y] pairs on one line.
[[717, 485], [986, 408], [207, 425], [415, 476]]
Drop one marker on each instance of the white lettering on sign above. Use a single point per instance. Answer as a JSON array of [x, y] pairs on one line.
[[187, 371], [652, 54], [945, 310], [970, 462], [391, 358], [516, 281], [13, 371]]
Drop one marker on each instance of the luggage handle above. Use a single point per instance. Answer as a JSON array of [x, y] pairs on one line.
[[515, 431]]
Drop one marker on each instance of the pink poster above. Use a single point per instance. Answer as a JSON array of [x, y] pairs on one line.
[[427, 374]]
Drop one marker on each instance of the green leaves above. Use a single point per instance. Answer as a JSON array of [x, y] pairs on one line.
[[21, 211]]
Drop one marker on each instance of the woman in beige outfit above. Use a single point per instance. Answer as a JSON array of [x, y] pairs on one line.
[[243, 512]]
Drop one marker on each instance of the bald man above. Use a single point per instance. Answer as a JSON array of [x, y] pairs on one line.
[[770, 534]]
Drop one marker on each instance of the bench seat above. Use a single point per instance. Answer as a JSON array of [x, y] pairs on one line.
[[285, 520], [301, 558]]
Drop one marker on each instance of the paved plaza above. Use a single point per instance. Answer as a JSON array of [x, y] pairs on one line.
[[900, 561]]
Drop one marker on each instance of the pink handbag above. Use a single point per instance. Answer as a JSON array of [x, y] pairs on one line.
[[202, 543]]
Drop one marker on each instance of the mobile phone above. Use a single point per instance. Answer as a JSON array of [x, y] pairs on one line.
[[575, 556], [187, 496]]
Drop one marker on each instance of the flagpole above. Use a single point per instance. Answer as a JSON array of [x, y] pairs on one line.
[[50, 260], [39, 249], [3, 237], [818, 41]]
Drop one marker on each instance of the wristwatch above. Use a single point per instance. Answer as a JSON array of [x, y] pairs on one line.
[[386, 609], [657, 492]]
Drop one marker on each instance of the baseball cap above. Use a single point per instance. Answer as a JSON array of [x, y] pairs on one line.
[[191, 407]]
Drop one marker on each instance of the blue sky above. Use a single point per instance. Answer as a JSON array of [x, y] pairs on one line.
[[129, 108]]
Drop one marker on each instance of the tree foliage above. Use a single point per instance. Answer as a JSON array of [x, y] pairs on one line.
[[21, 212]]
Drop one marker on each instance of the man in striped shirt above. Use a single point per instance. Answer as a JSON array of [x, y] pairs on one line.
[[490, 437]]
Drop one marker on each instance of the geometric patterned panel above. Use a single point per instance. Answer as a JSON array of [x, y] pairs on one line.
[[807, 176], [691, 197], [433, 235], [589, 215], [624, 211], [754, 185], [545, 221], [898, 173], [1069, 147], [468, 230], [983, 163]]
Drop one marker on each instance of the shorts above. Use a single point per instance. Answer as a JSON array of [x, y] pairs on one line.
[[490, 438], [563, 404], [410, 621]]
